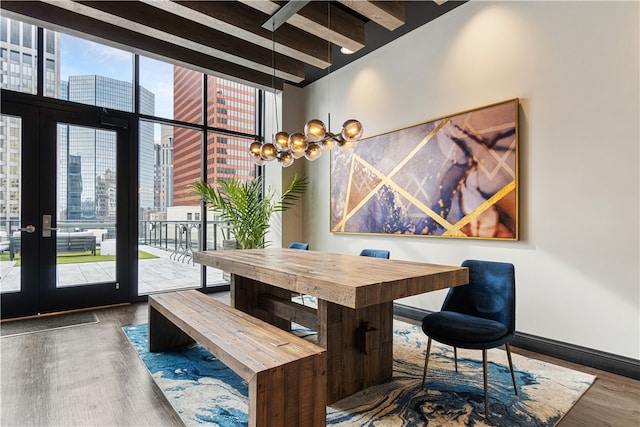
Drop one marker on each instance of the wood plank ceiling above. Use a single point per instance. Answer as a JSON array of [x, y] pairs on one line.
[[229, 38]]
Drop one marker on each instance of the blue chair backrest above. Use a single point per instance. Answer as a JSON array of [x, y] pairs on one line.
[[376, 253], [490, 294], [296, 245]]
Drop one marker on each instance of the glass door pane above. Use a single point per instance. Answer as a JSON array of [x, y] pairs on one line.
[[86, 205], [10, 200], [169, 220]]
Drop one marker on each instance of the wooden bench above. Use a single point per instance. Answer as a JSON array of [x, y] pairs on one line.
[[286, 374]]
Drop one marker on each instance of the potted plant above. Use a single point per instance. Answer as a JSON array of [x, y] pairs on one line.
[[243, 205]]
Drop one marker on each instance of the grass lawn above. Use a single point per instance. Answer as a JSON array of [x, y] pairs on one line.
[[77, 258]]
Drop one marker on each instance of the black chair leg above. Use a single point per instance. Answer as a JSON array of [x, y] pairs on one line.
[[486, 396], [513, 376], [455, 357], [426, 362]]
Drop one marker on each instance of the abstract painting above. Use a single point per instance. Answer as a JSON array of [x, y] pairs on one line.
[[455, 176]]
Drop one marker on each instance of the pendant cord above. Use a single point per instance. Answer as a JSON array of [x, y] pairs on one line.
[[273, 78], [330, 63]]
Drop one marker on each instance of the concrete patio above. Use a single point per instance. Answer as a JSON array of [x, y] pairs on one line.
[[167, 272]]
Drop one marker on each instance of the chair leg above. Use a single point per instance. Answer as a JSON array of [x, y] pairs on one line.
[[455, 357], [426, 362], [484, 371], [513, 376]]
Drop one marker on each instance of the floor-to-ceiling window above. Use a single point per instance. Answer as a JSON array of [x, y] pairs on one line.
[[188, 126]]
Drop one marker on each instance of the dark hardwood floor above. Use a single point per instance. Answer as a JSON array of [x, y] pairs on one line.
[[91, 376]]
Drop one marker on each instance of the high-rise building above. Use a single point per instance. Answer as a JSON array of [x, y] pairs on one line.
[[18, 72], [74, 187], [163, 193], [18, 50], [231, 106]]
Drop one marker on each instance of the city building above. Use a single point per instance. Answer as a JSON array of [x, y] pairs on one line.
[[230, 106], [18, 65], [163, 180]]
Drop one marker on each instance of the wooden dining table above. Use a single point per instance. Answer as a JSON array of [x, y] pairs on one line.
[[354, 294]]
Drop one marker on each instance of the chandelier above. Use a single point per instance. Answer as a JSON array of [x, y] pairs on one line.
[[286, 148], [316, 137]]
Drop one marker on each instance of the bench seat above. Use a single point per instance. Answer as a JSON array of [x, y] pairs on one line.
[[286, 374]]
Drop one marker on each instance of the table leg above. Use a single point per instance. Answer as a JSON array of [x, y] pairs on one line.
[[349, 369], [245, 294]]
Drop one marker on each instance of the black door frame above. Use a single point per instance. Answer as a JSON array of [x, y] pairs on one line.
[[38, 291]]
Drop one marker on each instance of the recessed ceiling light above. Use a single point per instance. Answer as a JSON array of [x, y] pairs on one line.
[[346, 51]]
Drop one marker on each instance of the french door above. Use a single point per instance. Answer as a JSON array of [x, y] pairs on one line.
[[65, 187]]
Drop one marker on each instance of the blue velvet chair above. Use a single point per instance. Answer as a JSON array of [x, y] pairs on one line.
[[296, 245], [480, 315], [376, 253]]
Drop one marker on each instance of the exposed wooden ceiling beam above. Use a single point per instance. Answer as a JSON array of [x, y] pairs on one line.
[[153, 22], [389, 14], [245, 22], [344, 29], [58, 19], [334, 25], [226, 37]]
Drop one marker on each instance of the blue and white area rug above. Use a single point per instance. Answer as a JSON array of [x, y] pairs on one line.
[[205, 392]]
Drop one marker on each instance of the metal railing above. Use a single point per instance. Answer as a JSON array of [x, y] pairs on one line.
[[180, 237]]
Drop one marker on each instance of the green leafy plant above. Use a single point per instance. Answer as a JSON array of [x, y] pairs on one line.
[[249, 212]]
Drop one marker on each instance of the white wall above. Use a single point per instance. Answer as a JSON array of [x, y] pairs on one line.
[[286, 227], [574, 66]]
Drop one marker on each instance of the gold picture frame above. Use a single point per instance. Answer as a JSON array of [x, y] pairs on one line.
[[455, 176]]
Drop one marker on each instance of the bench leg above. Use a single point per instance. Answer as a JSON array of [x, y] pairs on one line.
[[291, 395], [164, 335]]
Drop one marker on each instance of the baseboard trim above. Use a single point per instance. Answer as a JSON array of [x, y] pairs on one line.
[[615, 364]]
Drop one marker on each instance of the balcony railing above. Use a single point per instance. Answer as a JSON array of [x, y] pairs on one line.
[[182, 238]]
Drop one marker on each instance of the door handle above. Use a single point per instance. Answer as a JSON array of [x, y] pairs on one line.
[[46, 226], [29, 228]]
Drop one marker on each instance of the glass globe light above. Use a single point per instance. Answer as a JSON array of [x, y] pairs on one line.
[[286, 159], [329, 143], [255, 148], [352, 130], [257, 159], [282, 140], [314, 130], [297, 142], [298, 152], [268, 151], [313, 152], [347, 146]]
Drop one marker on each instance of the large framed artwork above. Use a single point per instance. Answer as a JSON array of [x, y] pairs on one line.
[[456, 176]]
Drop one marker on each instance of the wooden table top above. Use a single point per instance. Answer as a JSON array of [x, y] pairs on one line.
[[349, 280]]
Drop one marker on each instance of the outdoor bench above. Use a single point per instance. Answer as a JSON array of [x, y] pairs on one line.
[[76, 242], [65, 242], [286, 374]]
